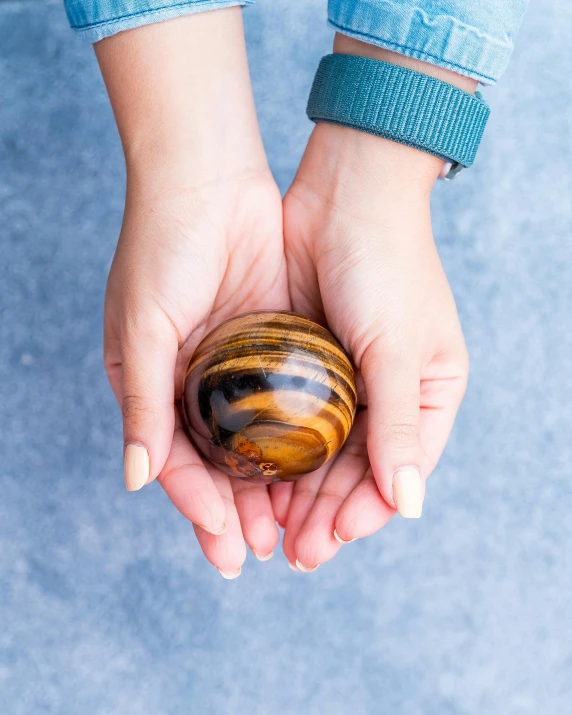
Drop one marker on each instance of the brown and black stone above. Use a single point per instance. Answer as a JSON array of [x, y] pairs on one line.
[[269, 396]]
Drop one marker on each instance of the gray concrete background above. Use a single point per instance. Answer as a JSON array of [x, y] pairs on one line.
[[106, 604]]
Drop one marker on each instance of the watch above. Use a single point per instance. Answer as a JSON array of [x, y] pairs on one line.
[[402, 105]]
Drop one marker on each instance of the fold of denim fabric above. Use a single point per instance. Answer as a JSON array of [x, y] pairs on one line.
[[473, 38], [95, 19]]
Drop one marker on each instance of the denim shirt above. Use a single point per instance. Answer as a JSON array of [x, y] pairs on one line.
[[472, 37]]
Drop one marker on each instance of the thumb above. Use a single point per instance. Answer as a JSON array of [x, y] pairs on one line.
[[148, 361], [392, 383]]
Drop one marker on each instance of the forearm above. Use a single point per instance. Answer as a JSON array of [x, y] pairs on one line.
[[181, 95], [93, 20]]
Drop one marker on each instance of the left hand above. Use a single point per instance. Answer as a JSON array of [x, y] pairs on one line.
[[361, 258]]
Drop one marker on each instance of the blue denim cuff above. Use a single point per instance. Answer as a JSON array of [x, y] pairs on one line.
[[473, 38], [95, 19]]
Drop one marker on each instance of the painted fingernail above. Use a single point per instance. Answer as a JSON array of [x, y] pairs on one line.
[[303, 568], [212, 531], [136, 464], [408, 492], [229, 575], [338, 538], [294, 568], [266, 557]]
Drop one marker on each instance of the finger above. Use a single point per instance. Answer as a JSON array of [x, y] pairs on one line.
[[303, 498], [392, 381], [316, 542], [148, 354], [256, 516], [190, 487], [280, 496], [363, 513], [226, 552]]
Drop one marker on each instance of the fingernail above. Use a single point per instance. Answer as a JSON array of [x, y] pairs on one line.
[[294, 568], [229, 575], [267, 557], [211, 531], [136, 463], [337, 537], [303, 568], [408, 492]]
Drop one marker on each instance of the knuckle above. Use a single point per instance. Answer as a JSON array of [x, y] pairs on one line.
[[465, 366], [393, 350], [111, 363], [135, 409], [461, 387], [108, 365], [459, 384], [402, 433], [111, 352]]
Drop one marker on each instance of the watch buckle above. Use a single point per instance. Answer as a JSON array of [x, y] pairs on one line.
[[450, 170]]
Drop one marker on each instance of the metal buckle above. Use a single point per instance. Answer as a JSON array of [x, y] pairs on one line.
[[452, 168], [449, 171]]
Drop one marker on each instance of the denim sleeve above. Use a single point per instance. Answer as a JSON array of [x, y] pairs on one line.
[[95, 19], [471, 37]]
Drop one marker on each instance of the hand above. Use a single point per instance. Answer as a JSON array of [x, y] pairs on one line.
[[201, 241], [362, 259]]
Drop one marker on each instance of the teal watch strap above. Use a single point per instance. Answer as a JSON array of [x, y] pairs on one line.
[[399, 104]]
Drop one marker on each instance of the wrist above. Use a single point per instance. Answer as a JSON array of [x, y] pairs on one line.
[[373, 64], [181, 95], [350, 46], [351, 168]]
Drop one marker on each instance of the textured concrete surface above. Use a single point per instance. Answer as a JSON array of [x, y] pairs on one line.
[[106, 604]]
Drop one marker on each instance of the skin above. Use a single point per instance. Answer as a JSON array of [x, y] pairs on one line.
[[361, 257], [205, 236], [201, 241]]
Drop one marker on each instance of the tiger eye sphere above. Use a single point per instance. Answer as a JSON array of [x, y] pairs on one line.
[[269, 396]]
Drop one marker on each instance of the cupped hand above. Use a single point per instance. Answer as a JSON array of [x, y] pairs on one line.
[[201, 241], [187, 259], [361, 259]]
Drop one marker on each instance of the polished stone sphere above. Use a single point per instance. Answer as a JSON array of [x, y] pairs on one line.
[[269, 396]]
